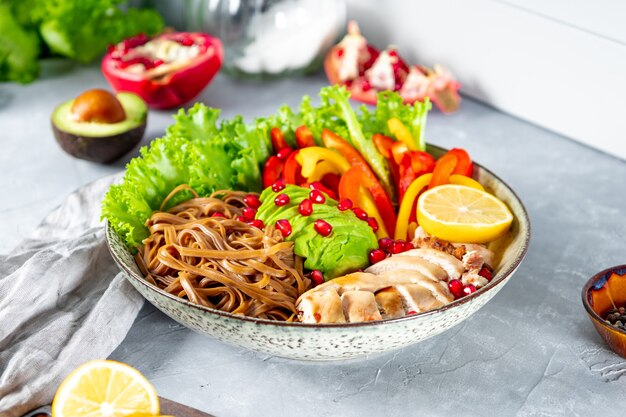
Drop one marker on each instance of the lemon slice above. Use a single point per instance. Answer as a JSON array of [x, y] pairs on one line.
[[458, 213], [105, 389]]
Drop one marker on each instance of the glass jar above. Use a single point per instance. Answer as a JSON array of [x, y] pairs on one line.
[[269, 38]]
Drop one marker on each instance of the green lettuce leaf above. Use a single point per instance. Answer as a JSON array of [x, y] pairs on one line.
[[19, 49]]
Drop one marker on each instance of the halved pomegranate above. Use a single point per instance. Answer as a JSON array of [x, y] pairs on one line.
[[365, 71], [167, 70]]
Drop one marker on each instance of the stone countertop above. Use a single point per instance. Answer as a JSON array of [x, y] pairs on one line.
[[531, 351]]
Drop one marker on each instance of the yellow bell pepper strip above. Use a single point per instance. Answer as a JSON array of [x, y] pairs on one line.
[[309, 157], [399, 130], [322, 168], [408, 201], [459, 179]]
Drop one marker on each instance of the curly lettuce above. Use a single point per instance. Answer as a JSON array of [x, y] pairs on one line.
[[19, 49]]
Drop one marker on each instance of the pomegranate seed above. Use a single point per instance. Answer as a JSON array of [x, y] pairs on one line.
[[306, 207], [157, 63], [345, 204], [252, 200], [468, 289], [256, 223], [385, 243], [218, 214], [408, 246], [372, 223], [360, 213], [340, 52], [322, 227], [284, 153], [279, 185], [186, 41], [365, 86], [456, 288], [281, 200], [249, 213], [411, 312], [393, 53], [376, 255], [317, 277], [486, 273], [397, 247], [317, 197], [284, 226], [240, 219]]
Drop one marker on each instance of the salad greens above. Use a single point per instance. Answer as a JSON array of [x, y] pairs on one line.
[[207, 155], [80, 30]]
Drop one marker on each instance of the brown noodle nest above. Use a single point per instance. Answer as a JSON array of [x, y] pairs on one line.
[[219, 262]]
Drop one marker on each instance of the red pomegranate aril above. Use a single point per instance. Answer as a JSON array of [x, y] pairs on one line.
[[284, 153], [411, 312], [397, 247], [257, 223], [317, 197], [468, 289], [345, 204], [284, 227], [279, 185], [252, 200], [317, 277], [240, 219], [385, 243], [486, 273], [249, 213], [340, 52], [360, 213], [366, 86], [306, 207], [456, 288], [372, 223], [376, 255], [281, 200], [322, 227], [408, 246], [218, 214]]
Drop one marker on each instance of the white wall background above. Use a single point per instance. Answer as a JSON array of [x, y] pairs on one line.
[[558, 63]]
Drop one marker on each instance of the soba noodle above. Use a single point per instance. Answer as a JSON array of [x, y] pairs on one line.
[[220, 262]]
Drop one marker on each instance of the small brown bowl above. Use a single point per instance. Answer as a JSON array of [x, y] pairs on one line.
[[604, 291]]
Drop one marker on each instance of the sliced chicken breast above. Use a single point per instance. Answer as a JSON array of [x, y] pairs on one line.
[[453, 267], [390, 303], [360, 306], [429, 269], [321, 307], [417, 298]]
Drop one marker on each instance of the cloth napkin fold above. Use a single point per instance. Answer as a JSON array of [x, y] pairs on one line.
[[63, 302]]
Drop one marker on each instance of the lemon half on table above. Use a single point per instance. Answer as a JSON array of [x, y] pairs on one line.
[[459, 213], [105, 388]]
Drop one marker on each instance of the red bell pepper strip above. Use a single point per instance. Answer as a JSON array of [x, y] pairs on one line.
[[369, 180], [464, 165], [443, 169], [407, 175], [383, 144], [272, 170], [291, 170], [422, 162], [398, 150], [278, 139], [304, 137]]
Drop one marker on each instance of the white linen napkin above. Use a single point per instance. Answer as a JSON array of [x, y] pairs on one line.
[[63, 302]]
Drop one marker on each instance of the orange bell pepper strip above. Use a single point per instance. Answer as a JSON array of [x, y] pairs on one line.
[[369, 180], [422, 162], [399, 130], [383, 144], [398, 150], [304, 137], [407, 204], [464, 165], [291, 170], [351, 187], [443, 169]]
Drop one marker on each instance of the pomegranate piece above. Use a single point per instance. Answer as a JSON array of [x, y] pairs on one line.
[[281, 200], [345, 204], [486, 273], [279, 185], [323, 227], [468, 289], [305, 207], [317, 197], [284, 227], [376, 255], [385, 243], [456, 288], [147, 67], [257, 223], [252, 200], [249, 213], [218, 214], [317, 277], [398, 246], [240, 219], [360, 213], [372, 223]]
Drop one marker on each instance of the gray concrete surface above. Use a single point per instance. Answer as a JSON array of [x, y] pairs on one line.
[[530, 352]]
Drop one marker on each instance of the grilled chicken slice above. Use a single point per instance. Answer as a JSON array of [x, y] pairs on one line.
[[429, 269], [417, 298], [390, 303], [321, 307], [360, 306], [453, 267]]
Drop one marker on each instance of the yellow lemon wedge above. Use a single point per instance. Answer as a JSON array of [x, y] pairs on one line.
[[105, 389], [458, 213]]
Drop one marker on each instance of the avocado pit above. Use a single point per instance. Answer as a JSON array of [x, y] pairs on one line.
[[98, 106]]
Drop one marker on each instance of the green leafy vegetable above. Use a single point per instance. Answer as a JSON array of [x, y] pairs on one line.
[[19, 49]]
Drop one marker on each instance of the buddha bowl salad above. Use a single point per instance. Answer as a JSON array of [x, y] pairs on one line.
[[320, 214]]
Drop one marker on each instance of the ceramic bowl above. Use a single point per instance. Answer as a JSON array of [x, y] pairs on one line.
[[339, 341], [600, 294]]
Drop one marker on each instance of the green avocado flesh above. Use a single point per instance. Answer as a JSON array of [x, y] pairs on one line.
[[345, 250], [136, 112]]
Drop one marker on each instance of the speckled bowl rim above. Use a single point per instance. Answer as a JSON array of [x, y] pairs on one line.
[[602, 275], [494, 283]]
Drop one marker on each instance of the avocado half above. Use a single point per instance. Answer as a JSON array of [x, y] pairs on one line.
[[100, 142]]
